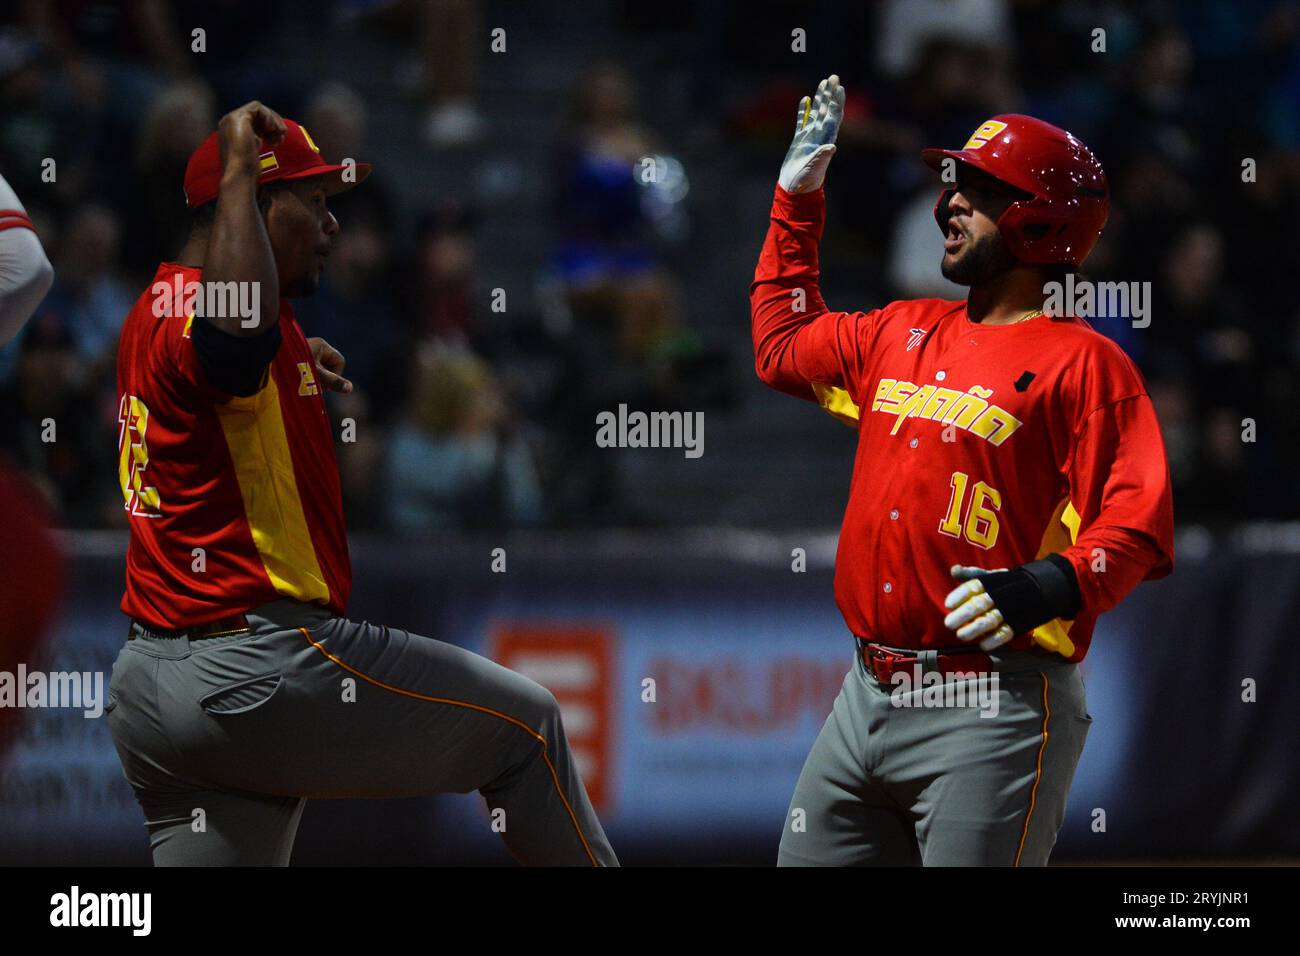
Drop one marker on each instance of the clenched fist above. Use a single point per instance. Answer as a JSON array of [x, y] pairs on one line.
[[240, 133]]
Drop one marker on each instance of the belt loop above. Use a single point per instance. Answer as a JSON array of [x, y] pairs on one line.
[[865, 659], [928, 661]]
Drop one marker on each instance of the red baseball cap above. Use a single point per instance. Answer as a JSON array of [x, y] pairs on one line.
[[294, 157]]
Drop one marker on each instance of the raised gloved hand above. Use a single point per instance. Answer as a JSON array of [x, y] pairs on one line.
[[816, 126], [994, 606]]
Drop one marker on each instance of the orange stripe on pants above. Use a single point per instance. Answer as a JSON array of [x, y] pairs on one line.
[[555, 778], [1038, 770]]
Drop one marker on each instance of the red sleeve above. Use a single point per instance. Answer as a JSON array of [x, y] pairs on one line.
[[797, 340], [171, 359], [1119, 485], [176, 351]]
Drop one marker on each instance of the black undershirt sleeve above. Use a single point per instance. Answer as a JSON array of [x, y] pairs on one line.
[[234, 364]]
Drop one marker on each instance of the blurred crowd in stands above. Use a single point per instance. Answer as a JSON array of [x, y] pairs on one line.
[[467, 419]]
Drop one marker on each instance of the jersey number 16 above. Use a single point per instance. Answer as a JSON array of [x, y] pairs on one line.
[[980, 527]]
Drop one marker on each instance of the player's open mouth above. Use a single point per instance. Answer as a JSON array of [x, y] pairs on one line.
[[954, 237]]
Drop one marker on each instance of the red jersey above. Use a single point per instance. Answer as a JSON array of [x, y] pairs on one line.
[[253, 482], [978, 445]]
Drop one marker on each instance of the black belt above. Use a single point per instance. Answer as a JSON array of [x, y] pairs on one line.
[[219, 628]]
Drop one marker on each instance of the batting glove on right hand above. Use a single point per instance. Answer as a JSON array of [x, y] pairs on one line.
[[816, 126], [994, 606]]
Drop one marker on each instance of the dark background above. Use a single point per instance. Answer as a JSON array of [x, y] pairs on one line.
[[514, 171]]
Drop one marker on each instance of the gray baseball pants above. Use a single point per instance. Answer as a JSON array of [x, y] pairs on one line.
[[886, 785], [225, 738]]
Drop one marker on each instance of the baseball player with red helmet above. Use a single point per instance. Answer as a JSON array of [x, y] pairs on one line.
[[243, 689], [1010, 485]]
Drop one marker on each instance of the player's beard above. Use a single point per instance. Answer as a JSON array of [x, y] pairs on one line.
[[982, 259]]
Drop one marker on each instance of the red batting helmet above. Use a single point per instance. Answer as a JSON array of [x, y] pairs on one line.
[[1068, 197]]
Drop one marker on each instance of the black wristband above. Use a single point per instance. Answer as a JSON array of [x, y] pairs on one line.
[[1055, 577], [234, 363], [1034, 593]]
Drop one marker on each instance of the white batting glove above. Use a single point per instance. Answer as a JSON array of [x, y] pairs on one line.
[[816, 126], [973, 615]]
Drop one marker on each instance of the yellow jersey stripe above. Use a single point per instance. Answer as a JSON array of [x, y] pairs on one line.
[[259, 448], [1061, 532], [838, 403]]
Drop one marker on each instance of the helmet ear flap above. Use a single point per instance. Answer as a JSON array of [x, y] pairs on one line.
[[941, 213], [1032, 233]]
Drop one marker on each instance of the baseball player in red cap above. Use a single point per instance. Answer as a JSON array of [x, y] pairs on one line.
[[242, 689], [1010, 486]]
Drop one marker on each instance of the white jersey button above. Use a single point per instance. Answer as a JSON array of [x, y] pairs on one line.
[[893, 515], [888, 587], [914, 442], [940, 375]]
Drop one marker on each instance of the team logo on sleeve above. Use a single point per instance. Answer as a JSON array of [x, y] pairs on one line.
[[914, 339]]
